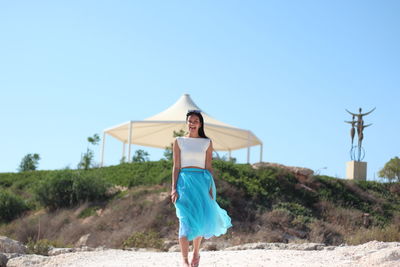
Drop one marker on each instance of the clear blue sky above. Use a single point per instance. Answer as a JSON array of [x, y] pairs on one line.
[[286, 70]]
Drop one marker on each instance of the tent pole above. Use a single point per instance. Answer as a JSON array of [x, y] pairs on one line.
[[129, 141], [248, 147], [123, 150], [102, 150], [229, 155], [261, 151]]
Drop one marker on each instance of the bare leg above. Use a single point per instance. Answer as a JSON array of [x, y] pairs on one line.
[[196, 247], [184, 243]]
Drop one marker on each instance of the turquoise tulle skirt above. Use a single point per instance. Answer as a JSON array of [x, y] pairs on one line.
[[198, 213]]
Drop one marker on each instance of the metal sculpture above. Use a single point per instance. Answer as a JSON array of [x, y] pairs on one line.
[[357, 152]]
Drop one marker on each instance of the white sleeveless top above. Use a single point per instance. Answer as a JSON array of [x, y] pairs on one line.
[[193, 151]]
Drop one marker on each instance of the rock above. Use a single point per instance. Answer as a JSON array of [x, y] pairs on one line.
[[82, 241], [86, 248], [174, 248], [307, 246], [9, 245], [115, 189], [143, 249], [101, 248], [27, 260], [99, 212], [274, 246], [302, 186], [168, 244], [13, 255], [299, 172], [209, 246], [383, 257], [257, 245], [3, 260], [58, 251]]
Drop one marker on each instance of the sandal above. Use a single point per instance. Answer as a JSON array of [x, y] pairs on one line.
[[195, 261]]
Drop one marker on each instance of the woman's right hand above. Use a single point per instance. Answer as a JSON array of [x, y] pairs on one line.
[[174, 195]]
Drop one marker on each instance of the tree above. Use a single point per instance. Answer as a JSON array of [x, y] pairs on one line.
[[140, 156], [29, 162], [391, 170], [168, 149], [225, 157], [94, 140], [87, 158]]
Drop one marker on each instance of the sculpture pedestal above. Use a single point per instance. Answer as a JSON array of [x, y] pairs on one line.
[[356, 170]]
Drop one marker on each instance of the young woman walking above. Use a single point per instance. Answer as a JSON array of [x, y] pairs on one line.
[[193, 189]]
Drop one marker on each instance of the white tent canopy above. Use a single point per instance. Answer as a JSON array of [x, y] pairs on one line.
[[157, 131]]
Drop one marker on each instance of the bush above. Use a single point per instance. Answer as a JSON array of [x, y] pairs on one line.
[[300, 213], [264, 186], [39, 247], [42, 246], [67, 189], [390, 233], [149, 239], [136, 173], [323, 232], [278, 219], [11, 206], [294, 208], [90, 211]]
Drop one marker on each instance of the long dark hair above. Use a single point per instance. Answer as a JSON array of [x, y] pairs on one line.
[[198, 114]]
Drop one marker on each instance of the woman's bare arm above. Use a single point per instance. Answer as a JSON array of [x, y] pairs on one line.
[[176, 152], [209, 163]]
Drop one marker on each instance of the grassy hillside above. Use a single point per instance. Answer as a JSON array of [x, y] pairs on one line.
[[267, 204]]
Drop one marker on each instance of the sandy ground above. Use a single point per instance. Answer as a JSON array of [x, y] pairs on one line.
[[370, 254]]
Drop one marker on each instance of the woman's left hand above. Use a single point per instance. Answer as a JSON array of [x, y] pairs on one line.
[[174, 195]]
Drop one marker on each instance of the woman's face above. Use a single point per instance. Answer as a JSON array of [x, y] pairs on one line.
[[193, 124]]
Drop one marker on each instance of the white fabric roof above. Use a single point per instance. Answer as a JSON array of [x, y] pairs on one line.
[[157, 131]]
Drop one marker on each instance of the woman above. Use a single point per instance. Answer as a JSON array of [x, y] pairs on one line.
[[193, 189]]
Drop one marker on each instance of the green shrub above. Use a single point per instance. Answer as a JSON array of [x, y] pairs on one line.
[[68, 188], [294, 208], [149, 239], [136, 173], [366, 196], [390, 233], [11, 206], [42, 246], [90, 211], [323, 232], [340, 192], [264, 186]]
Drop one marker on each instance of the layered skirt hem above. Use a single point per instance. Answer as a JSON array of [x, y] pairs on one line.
[[196, 207]]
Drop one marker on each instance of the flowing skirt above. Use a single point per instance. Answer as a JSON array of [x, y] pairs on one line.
[[198, 213]]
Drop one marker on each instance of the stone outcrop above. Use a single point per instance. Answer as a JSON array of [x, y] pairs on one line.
[[82, 241], [174, 248], [8, 245], [299, 172], [280, 246], [58, 251], [27, 260], [3, 260], [374, 253]]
